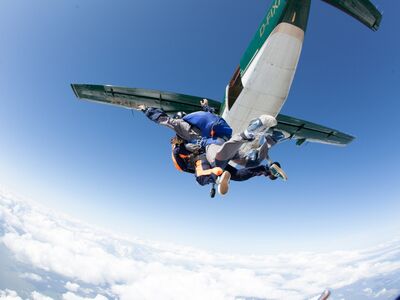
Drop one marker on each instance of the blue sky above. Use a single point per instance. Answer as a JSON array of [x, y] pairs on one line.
[[103, 165]]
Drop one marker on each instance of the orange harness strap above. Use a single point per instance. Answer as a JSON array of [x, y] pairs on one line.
[[200, 172], [174, 161], [212, 132]]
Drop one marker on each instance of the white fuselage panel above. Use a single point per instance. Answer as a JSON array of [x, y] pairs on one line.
[[267, 81]]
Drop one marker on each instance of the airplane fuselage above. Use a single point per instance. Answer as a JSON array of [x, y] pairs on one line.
[[262, 82]]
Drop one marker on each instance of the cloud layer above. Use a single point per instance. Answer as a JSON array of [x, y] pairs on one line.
[[100, 265]]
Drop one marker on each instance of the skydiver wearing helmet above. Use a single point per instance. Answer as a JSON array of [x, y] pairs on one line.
[[204, 131], [219, 155], [186, 161]]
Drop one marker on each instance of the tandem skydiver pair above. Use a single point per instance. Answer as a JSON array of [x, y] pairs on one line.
[[204, 146]]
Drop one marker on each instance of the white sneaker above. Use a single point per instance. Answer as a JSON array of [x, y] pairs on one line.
[[276, 171], [262, 123], [223, 183]]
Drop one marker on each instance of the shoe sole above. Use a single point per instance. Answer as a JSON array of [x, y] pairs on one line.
[[280, 172], [266, 121], [223, 185]]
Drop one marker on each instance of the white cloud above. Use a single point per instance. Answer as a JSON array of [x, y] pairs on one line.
[[390, 293], [9, 295], [72, 296], [32, 276], [368, 291], [38, 296], [382, 292], [136, 269], [73, 287]]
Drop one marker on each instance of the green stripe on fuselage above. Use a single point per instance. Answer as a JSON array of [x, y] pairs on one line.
[[274, 15], [289, 11]]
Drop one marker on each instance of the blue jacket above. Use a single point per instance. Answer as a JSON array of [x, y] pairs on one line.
[[210, 125]]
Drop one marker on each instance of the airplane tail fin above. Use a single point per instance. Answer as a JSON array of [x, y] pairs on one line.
[[362, 10]]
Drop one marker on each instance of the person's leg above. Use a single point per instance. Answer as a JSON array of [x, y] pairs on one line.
[[256, 156], [206, 179], [277, 172], [211, 152], [270, 140], [205, 173], [246, 173], [181, 127], [223, 183], [229, 149], [220, 155], [263, 150]]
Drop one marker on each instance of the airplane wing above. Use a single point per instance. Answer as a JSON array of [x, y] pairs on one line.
[[304, 131], [172, 102], [132, 97], [363, 10]]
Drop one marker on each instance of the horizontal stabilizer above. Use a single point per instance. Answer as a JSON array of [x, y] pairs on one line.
[[304, 131], [363, 10], [131, 97]]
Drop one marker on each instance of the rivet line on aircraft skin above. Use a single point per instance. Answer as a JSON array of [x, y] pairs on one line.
[[125, 94]]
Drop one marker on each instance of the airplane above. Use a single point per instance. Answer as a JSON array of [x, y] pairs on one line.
[[261, 83]]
